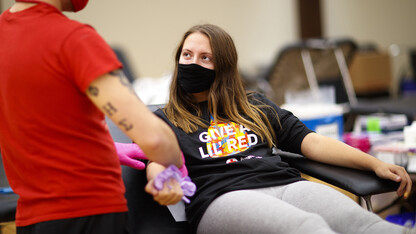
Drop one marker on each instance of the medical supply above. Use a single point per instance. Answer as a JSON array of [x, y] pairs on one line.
[[396, 152], [129, 155], [358, 140], [409, 133], [172, 172], [393, 153], [381, 122]]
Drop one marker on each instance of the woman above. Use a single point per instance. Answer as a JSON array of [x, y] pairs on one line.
[[227, 137]]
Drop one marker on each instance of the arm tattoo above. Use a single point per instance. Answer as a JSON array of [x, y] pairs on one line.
[[93, 91], [127, 126], [123, 79], [109, 109]]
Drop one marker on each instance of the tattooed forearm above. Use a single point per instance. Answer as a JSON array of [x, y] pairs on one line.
[[93, 91], [109, 109], [123, 79], [120, 74], [125, 124]]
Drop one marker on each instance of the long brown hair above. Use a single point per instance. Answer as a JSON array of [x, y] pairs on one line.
[[227, 98]]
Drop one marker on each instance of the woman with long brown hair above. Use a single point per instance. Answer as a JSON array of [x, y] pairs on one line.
[[227, 137]]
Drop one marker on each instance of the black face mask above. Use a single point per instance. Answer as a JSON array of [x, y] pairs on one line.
[[194, 78]]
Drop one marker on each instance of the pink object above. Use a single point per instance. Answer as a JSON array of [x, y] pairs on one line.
[[359, 141], [183, 169], [129, 153]]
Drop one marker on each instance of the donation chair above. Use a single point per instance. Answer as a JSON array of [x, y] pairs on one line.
[[314, 63], [363, 184], [147, 216], [310, 64], [8, 201]]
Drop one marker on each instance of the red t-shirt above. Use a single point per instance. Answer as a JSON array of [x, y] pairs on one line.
[[58, 154]]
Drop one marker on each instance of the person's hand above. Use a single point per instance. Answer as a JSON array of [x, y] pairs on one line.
[[128, 153], [163, 186], [395, 173], [170, 194]]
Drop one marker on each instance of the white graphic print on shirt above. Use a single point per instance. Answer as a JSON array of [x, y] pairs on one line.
[[225, 139]]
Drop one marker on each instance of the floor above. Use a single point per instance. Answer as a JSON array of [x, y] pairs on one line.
[[7, 228]]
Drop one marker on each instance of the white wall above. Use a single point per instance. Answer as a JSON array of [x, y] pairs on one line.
[[150, 30], [383, 22]]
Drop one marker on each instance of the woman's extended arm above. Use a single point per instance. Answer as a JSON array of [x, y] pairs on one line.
[[331, 151]]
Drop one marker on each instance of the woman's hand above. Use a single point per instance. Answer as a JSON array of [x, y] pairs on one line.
[[170, 194], [395, 173]]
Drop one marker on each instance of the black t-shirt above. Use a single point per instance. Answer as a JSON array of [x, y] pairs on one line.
[[230, 157]]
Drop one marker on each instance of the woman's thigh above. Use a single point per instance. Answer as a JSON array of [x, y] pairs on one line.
[[338, 210], [255, 211]]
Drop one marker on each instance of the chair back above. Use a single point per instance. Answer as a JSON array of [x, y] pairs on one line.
[[310, 64]]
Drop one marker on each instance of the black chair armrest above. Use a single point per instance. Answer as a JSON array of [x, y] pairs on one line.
[[360, 183], [146, 215], [8, 203]]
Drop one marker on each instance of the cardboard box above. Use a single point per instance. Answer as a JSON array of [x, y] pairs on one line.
[[371, 73]]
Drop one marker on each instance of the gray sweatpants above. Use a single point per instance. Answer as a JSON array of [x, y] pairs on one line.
[[301, 207]]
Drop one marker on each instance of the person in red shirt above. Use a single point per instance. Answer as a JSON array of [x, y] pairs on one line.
[[58, 79]]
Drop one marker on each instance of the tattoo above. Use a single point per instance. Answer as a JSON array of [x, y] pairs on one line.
[[109, 109], [123, 79], [127, 126], [93, 91], [120, 74]]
